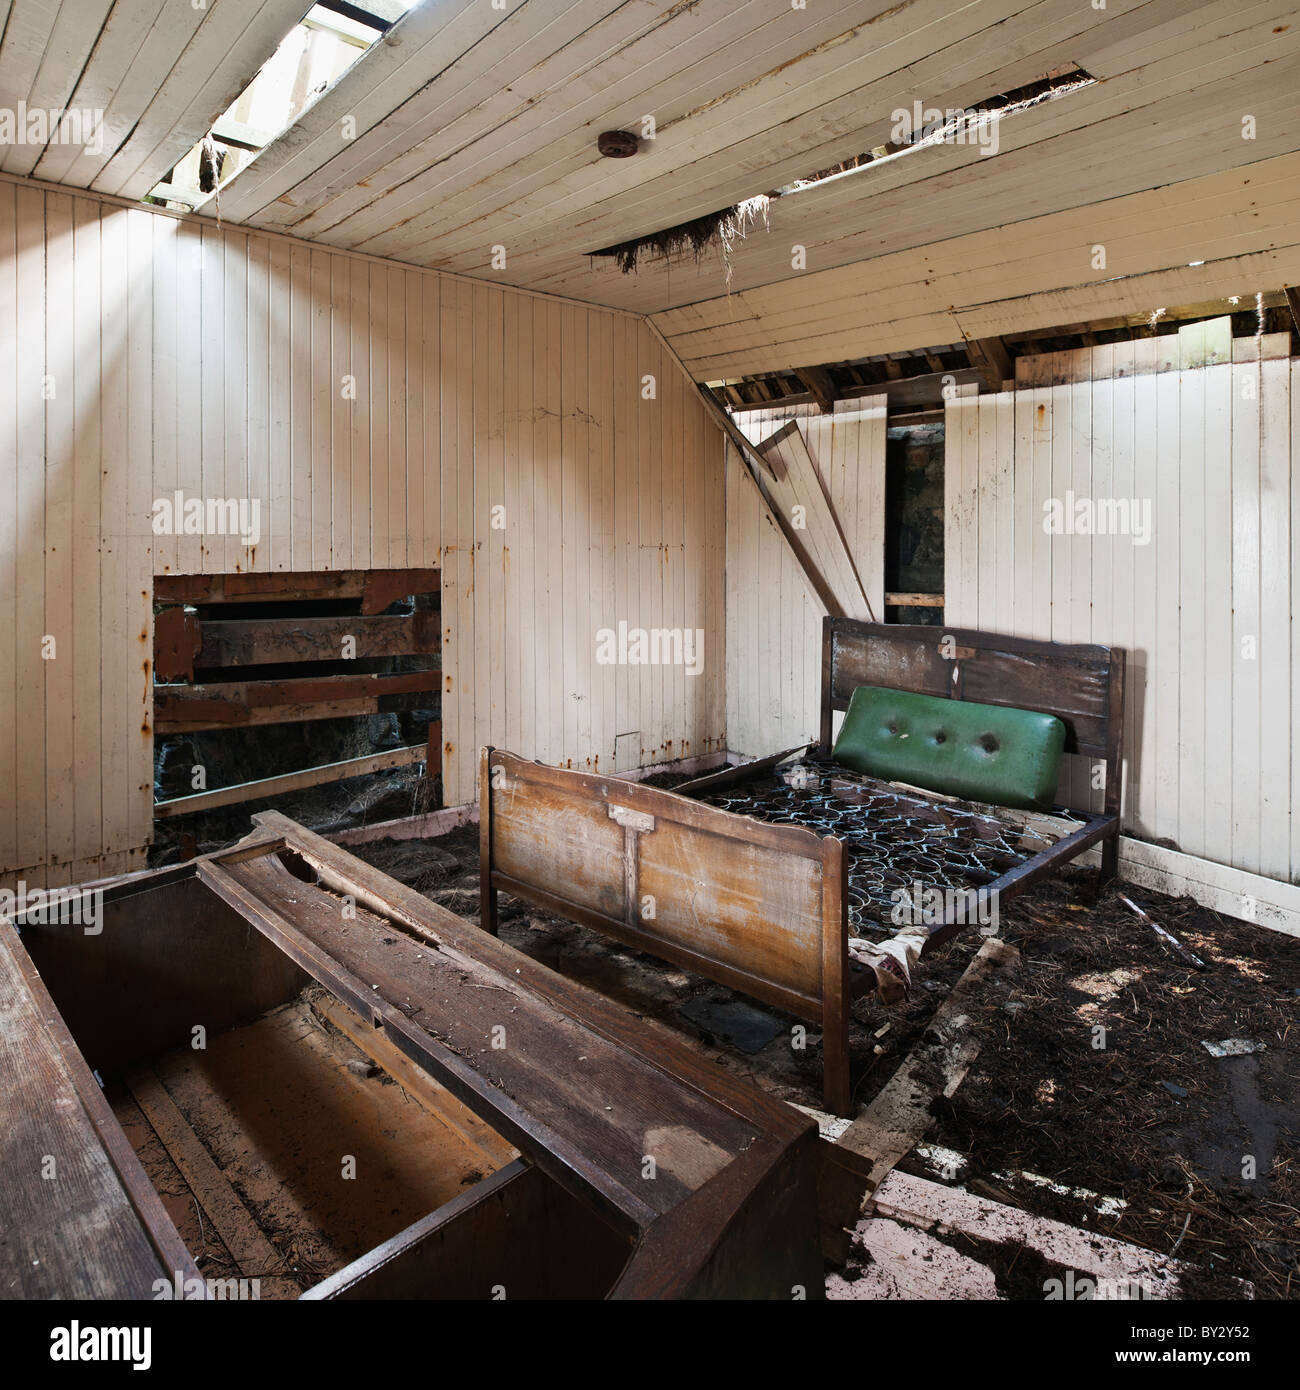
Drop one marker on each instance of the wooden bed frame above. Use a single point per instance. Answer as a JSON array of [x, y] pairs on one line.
[[763, 908]]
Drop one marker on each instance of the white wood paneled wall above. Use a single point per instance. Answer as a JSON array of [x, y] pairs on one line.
[[773, 613], [1204, 608], [774, 623], [153, 354]]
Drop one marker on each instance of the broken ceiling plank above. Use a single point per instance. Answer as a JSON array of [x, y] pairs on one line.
[[1293, 301], [799, 500], [899, 1117]]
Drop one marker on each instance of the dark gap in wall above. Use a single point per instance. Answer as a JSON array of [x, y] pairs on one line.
[[914, 504]]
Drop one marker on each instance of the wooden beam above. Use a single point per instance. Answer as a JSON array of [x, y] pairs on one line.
[[308, 777], [989, 357], [176, 643], [916, 417], [227, 704], [179, 722], [915, 391], [1293, 302], [914, 600], [820, 542], [381, 588], [377, 588], [239, 1232], [427, 1092], [821, 386], [260, 641], [900, 1116]]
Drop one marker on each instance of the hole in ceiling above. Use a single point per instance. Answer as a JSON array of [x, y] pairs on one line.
[[310, 59], [695, 238], [921, 129]]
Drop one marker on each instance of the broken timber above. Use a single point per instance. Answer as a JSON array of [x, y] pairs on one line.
[[309, 777]]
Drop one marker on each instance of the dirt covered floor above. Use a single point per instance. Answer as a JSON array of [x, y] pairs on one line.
[[1198, 1155]]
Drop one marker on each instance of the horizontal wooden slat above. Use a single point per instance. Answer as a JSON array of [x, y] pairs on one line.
[[914, 600], [250, 642], [224, 699], [308, 777], [280, 586]]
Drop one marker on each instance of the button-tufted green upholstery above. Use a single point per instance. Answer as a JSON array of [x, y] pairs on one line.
[[1010, 757]]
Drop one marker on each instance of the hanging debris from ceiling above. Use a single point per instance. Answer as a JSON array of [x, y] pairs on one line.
[[695, 238]]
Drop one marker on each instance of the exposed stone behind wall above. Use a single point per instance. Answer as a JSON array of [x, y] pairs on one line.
[[914, 502]]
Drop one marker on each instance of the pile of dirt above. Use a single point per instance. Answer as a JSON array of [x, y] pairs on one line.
[[1099, 1080]]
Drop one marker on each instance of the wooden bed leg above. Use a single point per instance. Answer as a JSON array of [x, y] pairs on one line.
[[1114, 800], [837, 1089], [487, 894], [1110, 857]]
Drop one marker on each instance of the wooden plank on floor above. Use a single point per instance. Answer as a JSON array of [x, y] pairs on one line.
[[256, 1257], [899, 1116], [419, 1085], [912, 1207]]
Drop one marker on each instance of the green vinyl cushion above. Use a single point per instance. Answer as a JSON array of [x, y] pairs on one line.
[[1010, 757]]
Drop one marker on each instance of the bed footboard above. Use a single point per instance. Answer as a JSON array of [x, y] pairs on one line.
[[756, 907]]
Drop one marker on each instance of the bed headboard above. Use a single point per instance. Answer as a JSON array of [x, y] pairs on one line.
[[1082, 684]]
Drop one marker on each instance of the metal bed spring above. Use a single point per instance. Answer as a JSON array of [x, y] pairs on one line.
[[895, 840]]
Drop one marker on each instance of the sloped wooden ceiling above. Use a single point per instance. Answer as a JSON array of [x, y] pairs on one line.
[[476, 128], [470, 130], [160, 71], [1233, 233]]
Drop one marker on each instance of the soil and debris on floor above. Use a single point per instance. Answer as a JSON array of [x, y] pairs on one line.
[[1137, 1131]]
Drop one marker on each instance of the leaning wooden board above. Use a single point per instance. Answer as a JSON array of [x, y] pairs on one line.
[[78, 1218], [760, 907]]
